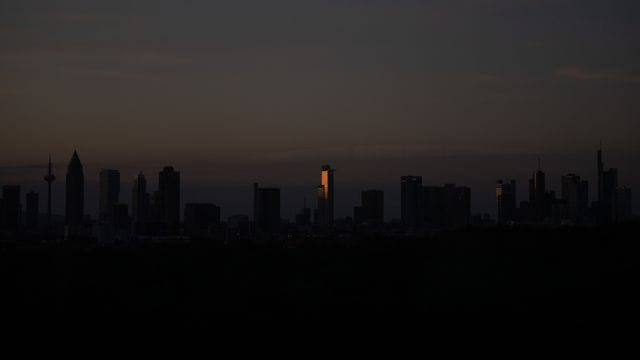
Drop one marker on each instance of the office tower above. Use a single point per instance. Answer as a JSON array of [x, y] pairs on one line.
[[433, 205], [121, 222], [575, 194], [457, 201], [623, 210], [199, 218], [538, 197], [372, 210], [325, 194], [109, 193], [506, 201], [607, 185], [303, 218], [447, 206], [33, 210], [169, 200], [267, 209], [412, 201], [49, 178], [140, 205], [74, 205], [600, 173], [11, 207]]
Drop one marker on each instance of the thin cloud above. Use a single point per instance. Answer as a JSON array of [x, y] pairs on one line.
[[582, 74]]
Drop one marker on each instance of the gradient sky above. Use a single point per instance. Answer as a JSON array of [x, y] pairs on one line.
[[235, 91]]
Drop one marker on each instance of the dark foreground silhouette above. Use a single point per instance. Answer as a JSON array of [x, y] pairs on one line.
[[573, 270]]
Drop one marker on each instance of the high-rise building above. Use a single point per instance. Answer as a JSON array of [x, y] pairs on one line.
[[447, 206], [109, 193], [199, 218], [412, 201], [267, 209], [538, 197], [457, 201], [169, 200], [575, 194], [623, 210], [140, 205], [325, 195], [32, 210], [506, 201], [74, 195], [49, 178], [371, 212], [607, 186], [11, 207], [434, 204]]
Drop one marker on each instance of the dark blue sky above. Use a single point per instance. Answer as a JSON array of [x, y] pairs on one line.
[[377, 87]]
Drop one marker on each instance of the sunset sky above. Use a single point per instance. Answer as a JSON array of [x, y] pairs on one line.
[[231, 92]]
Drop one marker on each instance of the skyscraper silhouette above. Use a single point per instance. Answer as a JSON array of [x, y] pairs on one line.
[[11, 207], [538, 196], [169, 200], [325, 195], [109, 193], [32, 210], [506, 201], [412, 201], [49, 178], [371, 212], [267, 209], [575, 193], [74, 196], [140, 204]]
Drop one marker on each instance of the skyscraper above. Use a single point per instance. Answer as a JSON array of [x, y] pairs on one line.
[[412, 201], [32, 210], [109, 193], [140, 204], [267, 209], [457, 201], [538, 197], [623, 205], [607, 186], [575, 193], [74, 195], [169, 200], [198, 219], [49, 178], [372, 210], [325, 194], [506, 201], [11, 207]]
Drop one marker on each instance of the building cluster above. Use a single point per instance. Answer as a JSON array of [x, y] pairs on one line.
[[156, 213], [571, 206]]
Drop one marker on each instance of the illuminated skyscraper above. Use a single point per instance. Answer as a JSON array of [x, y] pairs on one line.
[[74, 195], [325, 194]]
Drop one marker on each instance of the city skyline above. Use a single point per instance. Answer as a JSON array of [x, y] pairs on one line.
[[505, 210]]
